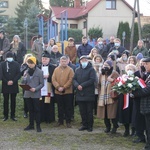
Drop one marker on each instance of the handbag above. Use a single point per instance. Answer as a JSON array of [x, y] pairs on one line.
[[113, 95]]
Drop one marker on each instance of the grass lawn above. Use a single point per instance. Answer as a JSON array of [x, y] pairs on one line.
[[61, 138]]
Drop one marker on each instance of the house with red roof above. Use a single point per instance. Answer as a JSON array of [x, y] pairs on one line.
[[105, 14]]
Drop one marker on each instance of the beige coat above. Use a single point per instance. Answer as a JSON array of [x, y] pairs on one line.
[[111, 106], [62, 77]]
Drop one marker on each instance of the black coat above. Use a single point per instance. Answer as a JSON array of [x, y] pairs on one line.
[[20, 53], [10, 72], [55, 58], [120, 49], [86, 78], [144, 93], [0, 71], [84, 50]]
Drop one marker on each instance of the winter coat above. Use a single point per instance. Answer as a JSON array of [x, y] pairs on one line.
[[71, 51], [62, 77], [35, 81], [120, 49], [102, 50], [142, 50], [1, 71], [84, 50], [19, 52], [37, 49], [55, 58], [86, 78], [5, 46], [112, 107], [144, 94], [11, 71]]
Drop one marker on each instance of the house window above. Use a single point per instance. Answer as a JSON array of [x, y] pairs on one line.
[[73, 26], [4, 4], [110, 4], [85, 24]]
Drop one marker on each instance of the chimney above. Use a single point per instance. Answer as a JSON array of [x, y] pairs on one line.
[[76, 3]]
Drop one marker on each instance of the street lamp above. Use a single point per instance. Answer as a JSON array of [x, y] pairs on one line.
[[26, 28]]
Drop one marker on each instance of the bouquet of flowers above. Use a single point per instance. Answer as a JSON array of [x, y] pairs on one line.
[[125, 84]]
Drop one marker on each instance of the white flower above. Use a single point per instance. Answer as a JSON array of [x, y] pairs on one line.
[[130, 85], [131, 78], [119, 84]]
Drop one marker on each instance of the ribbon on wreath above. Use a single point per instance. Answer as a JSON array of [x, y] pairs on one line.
[[126, 101]]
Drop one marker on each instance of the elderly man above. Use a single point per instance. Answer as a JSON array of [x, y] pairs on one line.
[[84, 80], [140, 48], [144, 94], [62, 81], [55, 56]]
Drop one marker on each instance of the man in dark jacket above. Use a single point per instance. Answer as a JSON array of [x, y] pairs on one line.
[[84, 48], [11, 75], [4, 45], [84, 80], [117, 49], [144, 94]]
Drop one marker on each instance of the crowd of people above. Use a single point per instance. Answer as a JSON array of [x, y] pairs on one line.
[[49, 77]]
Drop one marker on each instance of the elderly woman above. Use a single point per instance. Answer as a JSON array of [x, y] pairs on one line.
[[125, 115], [97, 65], [18, 49], [107, 107]]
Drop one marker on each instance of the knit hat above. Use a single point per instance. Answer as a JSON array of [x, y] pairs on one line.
[[9, 54], [109, 62], [33, 59], [139, 56], [45, 54]]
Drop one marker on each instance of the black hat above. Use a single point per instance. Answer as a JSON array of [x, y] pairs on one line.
[[112, 57], [39, 36], [126, 52], [9, 54], [45, 54], [109, 62], [146, 59]]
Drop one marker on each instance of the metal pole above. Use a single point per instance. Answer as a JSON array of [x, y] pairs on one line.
[[139, 21], [132, 28]]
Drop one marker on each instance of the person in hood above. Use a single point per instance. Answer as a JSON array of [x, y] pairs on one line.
[[10, 76], [83, 81]]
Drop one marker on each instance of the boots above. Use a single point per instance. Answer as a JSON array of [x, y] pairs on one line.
[[133, 131], [126, 133], [38, 128]]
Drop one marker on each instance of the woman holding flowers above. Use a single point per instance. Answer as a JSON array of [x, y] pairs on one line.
[[125, 104], [107, 107]]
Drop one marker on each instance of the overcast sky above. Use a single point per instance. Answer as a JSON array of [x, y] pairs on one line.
[[144, 6]]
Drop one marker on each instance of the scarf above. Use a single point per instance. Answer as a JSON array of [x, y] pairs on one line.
[[104, 96]]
